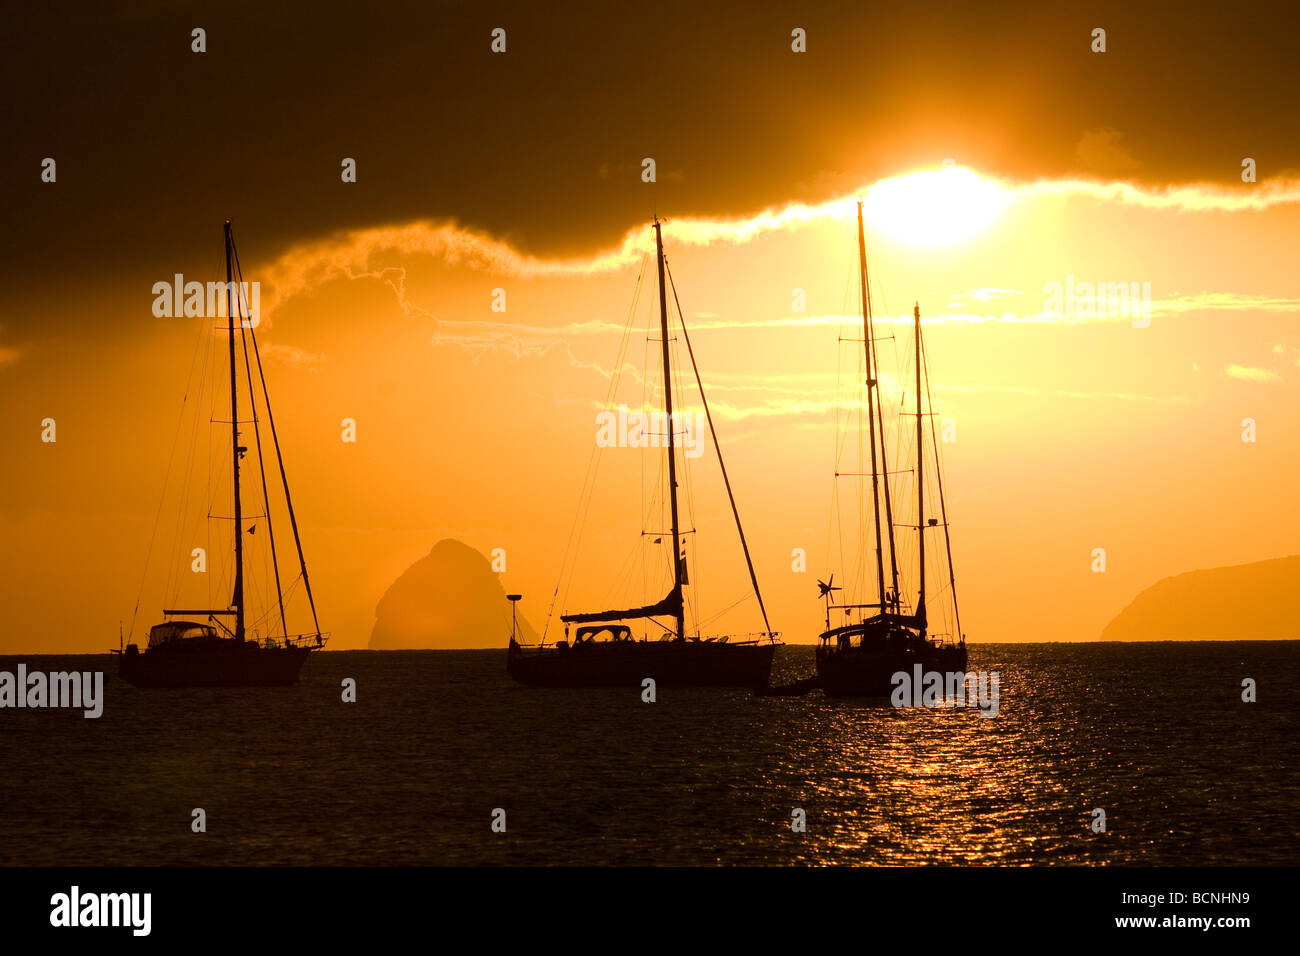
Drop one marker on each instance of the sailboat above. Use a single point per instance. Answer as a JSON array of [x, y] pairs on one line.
[[212, 647], [860, 657], [602, 651]]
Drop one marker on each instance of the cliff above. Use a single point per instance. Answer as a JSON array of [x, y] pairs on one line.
[[1244, 602], [450, 598]]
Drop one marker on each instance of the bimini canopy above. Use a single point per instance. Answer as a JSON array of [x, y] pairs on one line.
[[180, 631]]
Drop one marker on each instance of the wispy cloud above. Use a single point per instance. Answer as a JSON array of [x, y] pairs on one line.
[[823, 404], [1287, 351], [1197, 197], [370, 253], [1224, 302], [984, 295], [1247, 373], [479, 337], [292, 357]]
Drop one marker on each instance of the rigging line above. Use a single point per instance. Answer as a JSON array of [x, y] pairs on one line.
[[568, 559], [237, 598], [711, 620], [261, 461], [686, 473], [835, 519], [211, 478], [924, 364], [904, 443], [856, 574], [753, 578], [641, 463], [834, 522], [650, 385], [180, 418], [171, 585], [663, 627], [262, 618], [175, 529], [872, 391], [588, 492], [665, 344], [857, 579], [623, 578], [284, 478], [860, 514], [873, 372]]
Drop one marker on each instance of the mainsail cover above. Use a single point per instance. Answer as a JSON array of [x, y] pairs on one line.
[[914, 620], [670, 606]]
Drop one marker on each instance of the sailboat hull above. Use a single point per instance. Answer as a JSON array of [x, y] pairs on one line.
[[869, 671], [224, 663], [628, 663]]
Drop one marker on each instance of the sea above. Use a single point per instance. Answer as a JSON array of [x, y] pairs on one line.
[[443, 760]]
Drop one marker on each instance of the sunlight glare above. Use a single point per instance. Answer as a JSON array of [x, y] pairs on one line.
[[934, 207]]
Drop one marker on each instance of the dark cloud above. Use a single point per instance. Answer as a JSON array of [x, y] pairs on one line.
[[156, 145]]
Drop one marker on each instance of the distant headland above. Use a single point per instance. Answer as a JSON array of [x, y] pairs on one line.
[[449, 599], [1259, 601]]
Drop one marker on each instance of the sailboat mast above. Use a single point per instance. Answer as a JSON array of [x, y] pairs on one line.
[[920, 478], [672, 453], [871, 418], [238, 597]]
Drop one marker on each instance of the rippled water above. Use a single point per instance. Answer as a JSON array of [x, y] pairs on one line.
[[1155, 734]]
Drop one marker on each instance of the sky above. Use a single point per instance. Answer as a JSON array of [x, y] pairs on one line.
[[1001, 161]]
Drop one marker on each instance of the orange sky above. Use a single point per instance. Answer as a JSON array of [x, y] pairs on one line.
[[1072, 433]]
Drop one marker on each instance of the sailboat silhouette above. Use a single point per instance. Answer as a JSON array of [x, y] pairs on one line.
[[196, 647], [861, 657], [602, 650]]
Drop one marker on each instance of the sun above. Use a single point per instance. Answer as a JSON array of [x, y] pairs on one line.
[[934, 207]]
